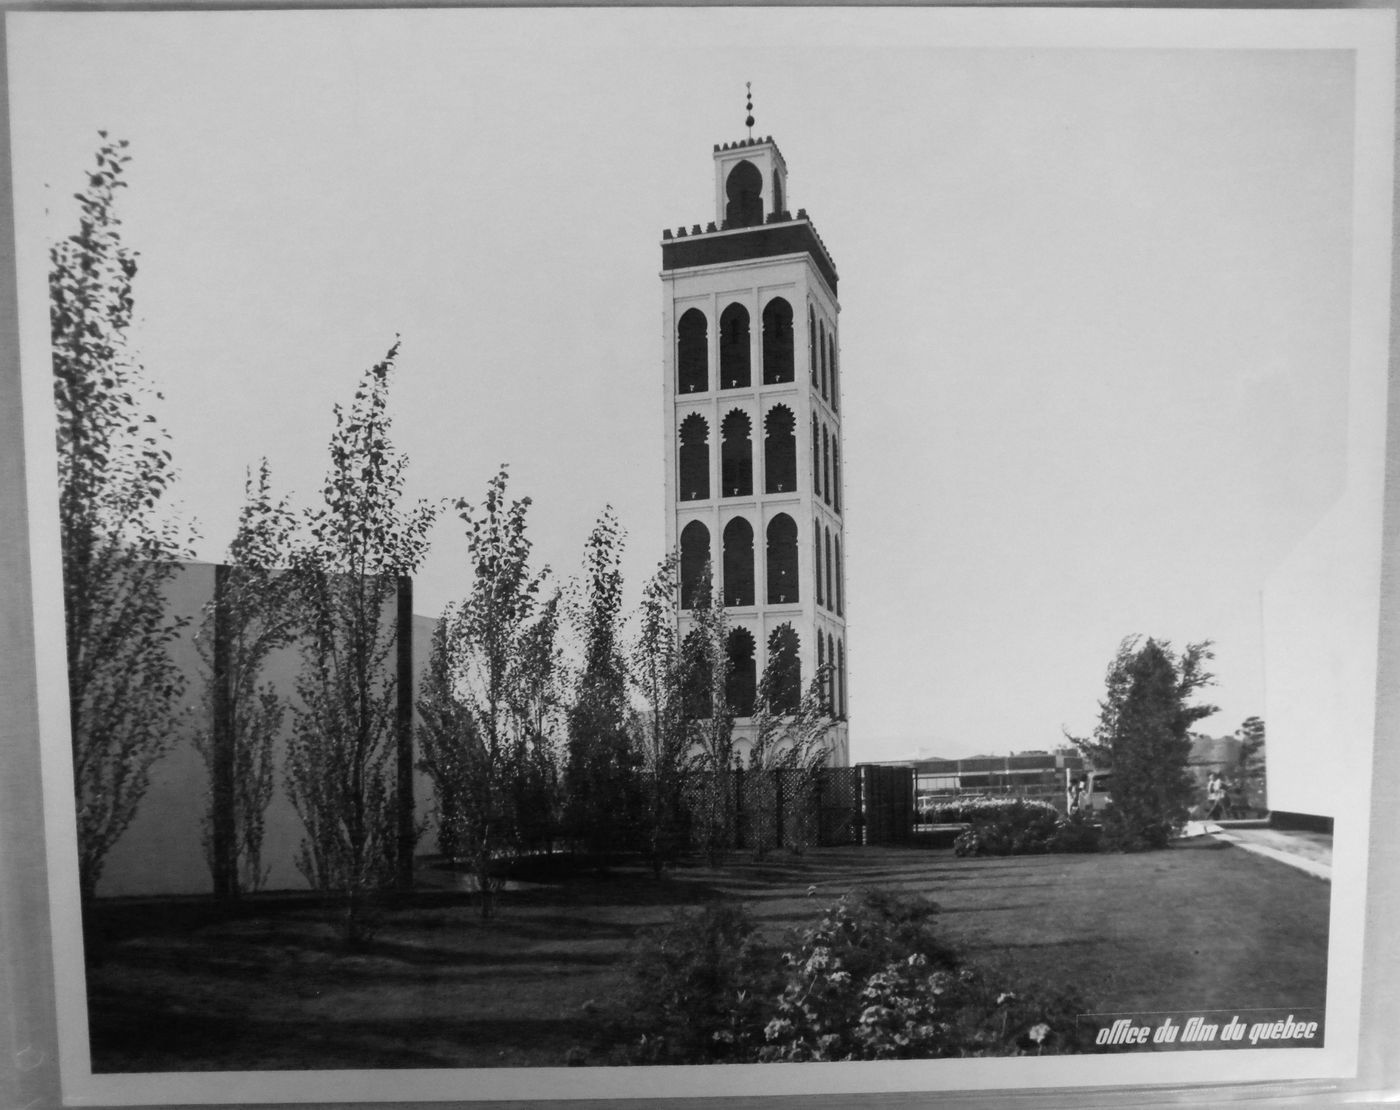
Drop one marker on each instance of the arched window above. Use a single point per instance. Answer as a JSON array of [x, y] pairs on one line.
[[734, 348], [777, 342], [841, 679], [830, 594], [826, 467], [821, 352], [695, 562], [831, 352], [823, 676], [817, 556], [694, 458], [779, 450], [835, 474], [744, 190], [831, 676], [782, 560], [784, 669], [777, 193], [816, 462], [692, 353], [697, 694], [738, 562], [837, 577], [736, 455], [812, 343], [741, 685]]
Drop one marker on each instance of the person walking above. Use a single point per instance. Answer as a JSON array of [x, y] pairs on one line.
[[1215, 797]]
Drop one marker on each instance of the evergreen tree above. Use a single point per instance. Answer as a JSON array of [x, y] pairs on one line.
[[1143, 736], [120, 547]]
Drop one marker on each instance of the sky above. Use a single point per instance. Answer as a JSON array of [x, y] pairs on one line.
[[1095, 302]]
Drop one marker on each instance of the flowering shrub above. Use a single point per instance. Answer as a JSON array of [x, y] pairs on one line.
[[1077, 833], [1019, 829], [958, 810], [869, 980]]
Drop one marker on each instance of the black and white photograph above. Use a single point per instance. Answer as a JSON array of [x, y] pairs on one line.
[[635, 552]]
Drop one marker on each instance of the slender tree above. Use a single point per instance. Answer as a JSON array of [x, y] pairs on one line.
[[500, 655], [1143, 735], [663, 734], [252, 615], [120, 546], [601, 776], [360, 543], [705, 673]]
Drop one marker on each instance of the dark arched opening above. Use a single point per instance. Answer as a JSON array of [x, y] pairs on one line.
[[744, 192], [779, 450], [837, 576], [821, 352], [738, 562], [823, 676], [816, 461], [777, 192], [812, 344], [694, 458], [692, 353], [831, 676], [817, 557], [734, 361], [841, 679], [835, 474], [782, 560], [736, 455], [830, 594], [826, 467], [784, 670], [777, 342], [831, 357], [695, 562], [741, 684]]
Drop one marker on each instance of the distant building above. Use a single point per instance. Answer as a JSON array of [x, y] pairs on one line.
[[753, 431]]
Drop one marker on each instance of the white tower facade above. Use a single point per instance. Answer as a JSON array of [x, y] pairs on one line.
[[751, 400]]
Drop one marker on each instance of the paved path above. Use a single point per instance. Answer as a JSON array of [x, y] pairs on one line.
[[1307, 851]]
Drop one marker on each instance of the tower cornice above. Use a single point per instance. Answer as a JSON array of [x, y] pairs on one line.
[[719, 245]]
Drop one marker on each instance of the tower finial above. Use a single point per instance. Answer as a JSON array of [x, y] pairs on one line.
[[748, 106]]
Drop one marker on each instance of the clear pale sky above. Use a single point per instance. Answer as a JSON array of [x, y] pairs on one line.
[[1095, 302]]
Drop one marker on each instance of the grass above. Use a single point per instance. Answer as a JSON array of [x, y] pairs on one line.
[[1199, 926]]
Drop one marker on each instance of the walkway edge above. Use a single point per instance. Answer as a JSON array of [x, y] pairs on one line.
[[1312, 867]]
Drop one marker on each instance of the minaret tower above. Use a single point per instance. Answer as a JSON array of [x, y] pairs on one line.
[[753, 429]]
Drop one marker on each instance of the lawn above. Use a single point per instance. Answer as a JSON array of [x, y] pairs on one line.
[[1199, 926]]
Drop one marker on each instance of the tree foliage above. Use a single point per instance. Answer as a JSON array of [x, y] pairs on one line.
[[496, 698], [120, 547], [360, 542], [663, 733], [1251, 769], [253, 615], [601, 775], [705, 681], [1143, 735]]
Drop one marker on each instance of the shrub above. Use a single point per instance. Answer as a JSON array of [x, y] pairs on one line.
[[982, 809], [1019, 829], [872, 982], [1077, 833], [693, 983]]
